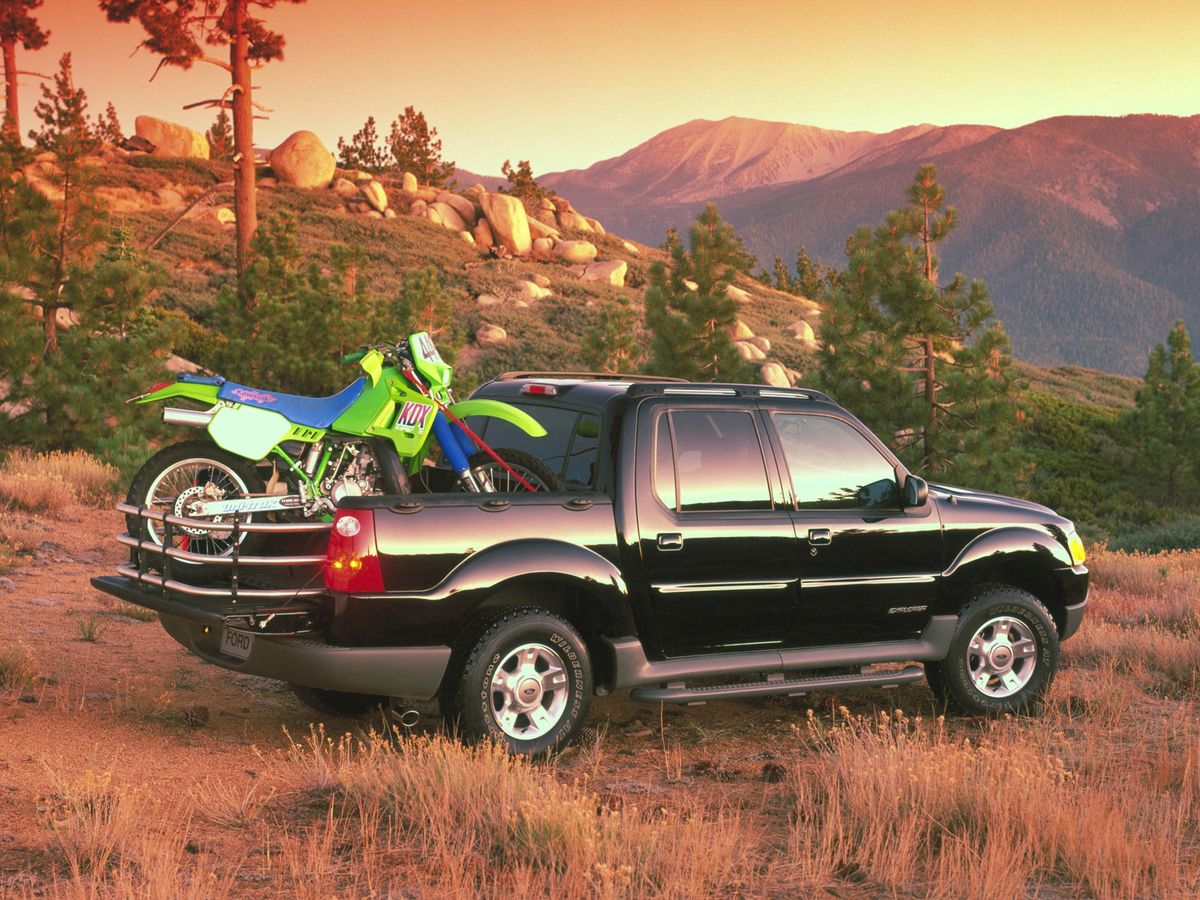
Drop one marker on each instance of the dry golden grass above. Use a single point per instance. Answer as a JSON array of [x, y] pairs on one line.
[[1100, 796], [50, 482], [475, 821], [18, 671], [904, 802]]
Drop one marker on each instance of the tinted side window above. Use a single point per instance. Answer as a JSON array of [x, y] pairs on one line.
[[833, 466], [719, 461], [550, 449], [664, 464], [582, 455]]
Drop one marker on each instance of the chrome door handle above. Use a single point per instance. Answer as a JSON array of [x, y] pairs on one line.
[[819, 536], [670, 542]]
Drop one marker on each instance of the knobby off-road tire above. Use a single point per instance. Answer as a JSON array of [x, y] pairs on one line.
[[525, 682], [528, 466], [337, 703], [1002, 658], [163, 483]]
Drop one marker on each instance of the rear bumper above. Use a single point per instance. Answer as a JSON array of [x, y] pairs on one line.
[[411, 672]]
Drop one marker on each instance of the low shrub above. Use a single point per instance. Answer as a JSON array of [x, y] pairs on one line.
[[50, 482], [1182, 533]]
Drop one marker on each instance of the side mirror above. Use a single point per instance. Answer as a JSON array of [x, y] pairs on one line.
[[916, 492]]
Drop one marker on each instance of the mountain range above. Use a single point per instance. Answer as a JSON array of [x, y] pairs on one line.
[[1086, 229]]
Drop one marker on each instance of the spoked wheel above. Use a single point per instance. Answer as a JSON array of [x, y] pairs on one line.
[[178, 480], [529, 692], [525, 682], [1002, 657], [531, 470]]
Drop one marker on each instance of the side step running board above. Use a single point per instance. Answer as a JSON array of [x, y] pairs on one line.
[[632, 669], [791, 687]]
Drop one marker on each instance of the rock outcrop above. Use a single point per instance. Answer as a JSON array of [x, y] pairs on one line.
[[575, 251], [510, 225], [611, 271], [170, 139], [490, 335], [303, 161]]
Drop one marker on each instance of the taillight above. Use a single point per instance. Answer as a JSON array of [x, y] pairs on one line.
[[540, 390], [158, 387], [352, 560]]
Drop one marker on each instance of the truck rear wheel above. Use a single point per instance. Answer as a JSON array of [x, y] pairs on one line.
[[526, 683], [1003, 655]]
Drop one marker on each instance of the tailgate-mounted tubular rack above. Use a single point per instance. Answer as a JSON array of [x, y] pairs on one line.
[[287, 610]]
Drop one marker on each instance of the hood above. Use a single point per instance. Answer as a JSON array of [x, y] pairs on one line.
[[983, 500]]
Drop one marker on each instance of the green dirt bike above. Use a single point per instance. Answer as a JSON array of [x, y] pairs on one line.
[[287, 457]]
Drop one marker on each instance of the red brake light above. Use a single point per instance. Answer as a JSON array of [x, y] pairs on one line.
[[540, 390], [352, 560], [158, 387]]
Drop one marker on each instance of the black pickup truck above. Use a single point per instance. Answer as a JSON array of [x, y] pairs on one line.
[[712, 542]]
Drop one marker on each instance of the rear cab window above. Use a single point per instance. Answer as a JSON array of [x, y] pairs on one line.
[[569, 447], [710, 460]]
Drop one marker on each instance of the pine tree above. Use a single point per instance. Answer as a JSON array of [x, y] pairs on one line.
[[276, 327], [423, 305], [365, 150], [179, 30], [521, 182], [783, 278], [611, 343], [80, 332], [810, 277], [416, 148], [17, 26], [689, 329], [220, 136], [80, 228], [107, 126], [924, 365], [1165, 423]]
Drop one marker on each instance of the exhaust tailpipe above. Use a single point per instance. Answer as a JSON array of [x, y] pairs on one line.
[[193, 418]]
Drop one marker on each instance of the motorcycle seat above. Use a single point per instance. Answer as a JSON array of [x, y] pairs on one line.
[[315, 412]]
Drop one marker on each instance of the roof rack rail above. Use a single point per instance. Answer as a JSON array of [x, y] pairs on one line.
[[589, 376], [717, 389]]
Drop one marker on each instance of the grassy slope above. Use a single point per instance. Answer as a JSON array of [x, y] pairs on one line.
[[199, 259]]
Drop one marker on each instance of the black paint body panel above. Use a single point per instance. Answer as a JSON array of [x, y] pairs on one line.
[[740, 581]]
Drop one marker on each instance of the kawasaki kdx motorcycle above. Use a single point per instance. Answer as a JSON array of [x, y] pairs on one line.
[[286, 457]]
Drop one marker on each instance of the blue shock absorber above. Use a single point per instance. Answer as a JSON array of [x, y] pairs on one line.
[[464, 439], [449, 442]]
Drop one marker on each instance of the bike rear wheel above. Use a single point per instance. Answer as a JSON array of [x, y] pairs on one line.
[[182, 475]]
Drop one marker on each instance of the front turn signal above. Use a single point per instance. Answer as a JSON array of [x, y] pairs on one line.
[[1075, 545]]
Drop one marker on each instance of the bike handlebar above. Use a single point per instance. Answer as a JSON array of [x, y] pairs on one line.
[[390, 351]]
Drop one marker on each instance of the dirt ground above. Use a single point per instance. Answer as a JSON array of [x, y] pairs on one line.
[[115, 694], [109, 694]]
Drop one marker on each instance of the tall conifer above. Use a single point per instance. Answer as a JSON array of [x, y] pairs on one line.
[[924, 364]]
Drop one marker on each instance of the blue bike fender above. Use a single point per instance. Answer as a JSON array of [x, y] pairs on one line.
[[499, 410]]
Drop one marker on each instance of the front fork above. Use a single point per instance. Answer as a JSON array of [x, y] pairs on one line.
[[457, 446]]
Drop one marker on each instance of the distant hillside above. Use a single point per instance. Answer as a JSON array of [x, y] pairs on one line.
[[1085, 228]]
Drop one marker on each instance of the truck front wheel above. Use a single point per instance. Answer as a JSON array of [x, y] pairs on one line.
[[526, 683], [1003, 656]]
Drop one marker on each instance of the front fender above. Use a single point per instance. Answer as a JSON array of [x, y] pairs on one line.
[[499, 410], [1019, 544]]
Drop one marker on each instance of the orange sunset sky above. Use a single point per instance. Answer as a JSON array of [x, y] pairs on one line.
[[567, 84]]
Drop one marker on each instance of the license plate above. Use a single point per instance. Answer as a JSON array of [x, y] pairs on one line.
[[236, 643]]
